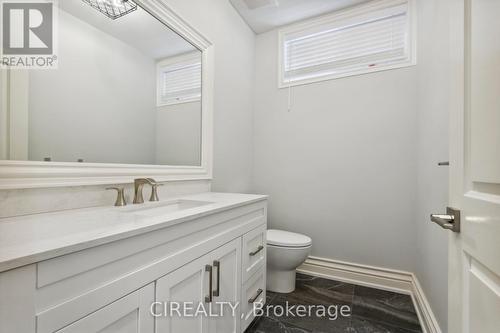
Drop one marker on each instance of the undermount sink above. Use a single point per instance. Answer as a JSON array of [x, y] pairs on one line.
[[164, 207]]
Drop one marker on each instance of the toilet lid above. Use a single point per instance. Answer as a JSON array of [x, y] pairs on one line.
[[287, 239]]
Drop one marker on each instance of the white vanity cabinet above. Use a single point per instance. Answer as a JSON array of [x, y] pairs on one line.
[[127, 285]]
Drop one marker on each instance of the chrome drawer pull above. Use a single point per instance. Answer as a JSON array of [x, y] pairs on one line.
[[209, 298], [260, 248], [253, 299], [216, 292]]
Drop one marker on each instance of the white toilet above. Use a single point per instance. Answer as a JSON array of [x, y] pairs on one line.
[[285, 252]]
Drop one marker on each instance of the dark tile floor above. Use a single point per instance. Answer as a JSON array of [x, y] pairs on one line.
[[371, 310]]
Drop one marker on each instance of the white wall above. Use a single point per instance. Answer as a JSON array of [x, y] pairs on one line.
[[433, 76], [178, 134], [340, 167], [96, 85], [234, 84]]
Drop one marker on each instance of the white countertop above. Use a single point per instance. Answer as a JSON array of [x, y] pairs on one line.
[[28, 239]]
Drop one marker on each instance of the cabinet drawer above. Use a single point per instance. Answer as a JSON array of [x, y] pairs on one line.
[[254, 291], [254, 252]]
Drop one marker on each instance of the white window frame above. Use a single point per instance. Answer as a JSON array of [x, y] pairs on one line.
[[183, 58], [344, 15]]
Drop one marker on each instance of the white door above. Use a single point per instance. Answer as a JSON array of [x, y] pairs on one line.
[[227, 287], [130, 314], [474, 271]]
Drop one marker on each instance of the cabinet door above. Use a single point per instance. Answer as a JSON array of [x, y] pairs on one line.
[[227, 287], [185, 287], [130, 314]]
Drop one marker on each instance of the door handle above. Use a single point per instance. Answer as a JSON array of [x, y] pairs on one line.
[[253, 299], [254, 253], [449, 221], [208, 299], [216, 292]]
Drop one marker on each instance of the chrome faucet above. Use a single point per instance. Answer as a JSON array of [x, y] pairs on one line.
[[139, 185], [120, 199], [154, 190]]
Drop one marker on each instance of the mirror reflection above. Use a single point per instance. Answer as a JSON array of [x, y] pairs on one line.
[[127, 90]]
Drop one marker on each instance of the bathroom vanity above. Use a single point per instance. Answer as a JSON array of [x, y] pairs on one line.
[[102, 269]]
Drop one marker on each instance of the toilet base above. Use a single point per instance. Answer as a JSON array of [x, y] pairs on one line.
[[280, 281]]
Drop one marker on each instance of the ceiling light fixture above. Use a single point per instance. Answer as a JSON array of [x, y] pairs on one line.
[[113, 8]]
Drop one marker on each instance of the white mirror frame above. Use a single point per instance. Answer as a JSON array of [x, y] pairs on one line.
[[32, 174]]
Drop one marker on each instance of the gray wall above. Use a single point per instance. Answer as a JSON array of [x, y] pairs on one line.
[[98, 105], [433, 76], [178, 134], [340, 167], [234, 83]]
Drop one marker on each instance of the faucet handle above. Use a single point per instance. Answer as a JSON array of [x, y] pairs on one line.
[[120, 199], [154, 192]]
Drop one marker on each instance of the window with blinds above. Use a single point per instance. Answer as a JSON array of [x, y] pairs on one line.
[[179, 80], [368, 38]]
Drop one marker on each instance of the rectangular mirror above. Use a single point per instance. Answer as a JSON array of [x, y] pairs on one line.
[[127, 90]]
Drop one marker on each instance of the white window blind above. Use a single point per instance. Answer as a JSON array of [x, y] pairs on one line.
[[179, 81], [369, 39]]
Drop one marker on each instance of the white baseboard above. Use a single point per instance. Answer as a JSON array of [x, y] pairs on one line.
[[376, 277]]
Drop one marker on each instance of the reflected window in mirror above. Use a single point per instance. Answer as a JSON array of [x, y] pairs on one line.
[[179, 105], [179, 79]]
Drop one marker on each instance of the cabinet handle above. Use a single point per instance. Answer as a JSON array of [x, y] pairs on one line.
[[208, 299], [216, 292], [253, 299], [260, 248]]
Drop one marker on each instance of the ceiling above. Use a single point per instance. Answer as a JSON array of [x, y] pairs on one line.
[[138, 29], [265, 15]]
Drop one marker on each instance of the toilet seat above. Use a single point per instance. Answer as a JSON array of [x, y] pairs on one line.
[[287, 239]]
